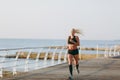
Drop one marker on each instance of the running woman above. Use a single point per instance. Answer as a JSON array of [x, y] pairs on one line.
[[73, 52]]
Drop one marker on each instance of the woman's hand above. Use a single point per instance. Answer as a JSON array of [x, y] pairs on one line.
[[72, 41]]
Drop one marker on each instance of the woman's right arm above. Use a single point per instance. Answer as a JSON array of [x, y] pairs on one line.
[[67, 43]]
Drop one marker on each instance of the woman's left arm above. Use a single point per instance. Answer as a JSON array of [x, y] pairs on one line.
[[78, 41]]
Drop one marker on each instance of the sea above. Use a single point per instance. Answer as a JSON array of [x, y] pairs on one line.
[[21, 43]]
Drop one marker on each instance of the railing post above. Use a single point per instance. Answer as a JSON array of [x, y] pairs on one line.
[[106, 52], [110, 52], [37, 58], [27, 62], [65, 56], [46, 54], [53, 56], [15, 63], [115, 50], [80, 54], [1, 72], [26, 66], [59, 56], [14, 70], [97, 52]]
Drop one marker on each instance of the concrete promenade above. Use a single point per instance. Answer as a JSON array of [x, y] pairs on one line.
[[94, 69]]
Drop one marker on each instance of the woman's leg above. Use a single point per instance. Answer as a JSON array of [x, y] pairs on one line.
[[76, 59], [70, 57]]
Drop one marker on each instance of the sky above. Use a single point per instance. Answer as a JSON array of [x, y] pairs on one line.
[[53, 19]]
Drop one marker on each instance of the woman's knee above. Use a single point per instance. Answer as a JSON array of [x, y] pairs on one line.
[[75, 62], [76, 59], [70, 61]]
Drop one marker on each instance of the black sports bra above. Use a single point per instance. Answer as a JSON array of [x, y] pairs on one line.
[[73, 39]]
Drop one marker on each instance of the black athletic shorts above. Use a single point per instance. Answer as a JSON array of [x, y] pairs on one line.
[[73, 52]]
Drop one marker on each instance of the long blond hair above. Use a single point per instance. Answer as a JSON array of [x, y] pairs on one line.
[[77, 31]]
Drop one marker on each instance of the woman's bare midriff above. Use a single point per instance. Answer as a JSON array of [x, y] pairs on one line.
[[72, 47]]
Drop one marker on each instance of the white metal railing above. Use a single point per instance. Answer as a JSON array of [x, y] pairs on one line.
[[113, 51], [27, 61], [108, 52]]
